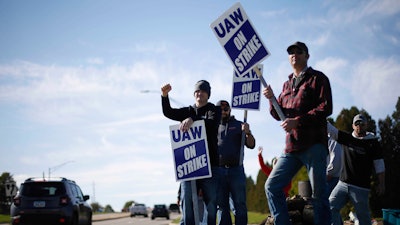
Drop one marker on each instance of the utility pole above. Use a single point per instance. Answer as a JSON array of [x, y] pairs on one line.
[[94, 193], [52, 169], [180, 104]]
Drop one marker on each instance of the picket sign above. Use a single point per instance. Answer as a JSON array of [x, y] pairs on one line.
[[190, 152], [242, 44]]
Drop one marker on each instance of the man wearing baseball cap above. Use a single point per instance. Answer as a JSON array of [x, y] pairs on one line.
[[361, 152], [306, 102], [231, 174]]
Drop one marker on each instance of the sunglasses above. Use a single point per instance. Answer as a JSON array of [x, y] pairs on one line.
[[226, 109], [358, 123], [295, 51]]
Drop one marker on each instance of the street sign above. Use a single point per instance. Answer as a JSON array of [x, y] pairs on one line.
[[11, 188], [246, 90], [190, 151], [237, 36]]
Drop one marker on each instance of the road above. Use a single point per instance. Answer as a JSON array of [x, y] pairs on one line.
[[138, 220], [123, 219]]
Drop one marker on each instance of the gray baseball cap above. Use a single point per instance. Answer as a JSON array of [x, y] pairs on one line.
[[359, 117]]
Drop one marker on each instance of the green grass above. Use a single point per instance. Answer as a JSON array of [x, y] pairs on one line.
[[253, 218], [4, 218], [256, 218]]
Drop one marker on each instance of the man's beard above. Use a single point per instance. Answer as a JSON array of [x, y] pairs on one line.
[[225, 119]]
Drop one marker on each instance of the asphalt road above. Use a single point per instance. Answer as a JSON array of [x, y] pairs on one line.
[[124, 219], [138, 220]]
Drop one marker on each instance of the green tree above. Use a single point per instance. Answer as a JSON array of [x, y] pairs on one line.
[[250, 194], [127, 205], [108, 209], [260, 199], [96, 207], [390, 136]]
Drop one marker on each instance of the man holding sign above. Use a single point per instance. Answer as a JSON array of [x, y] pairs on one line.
[[306, 101], [201, 110], [231, 175]]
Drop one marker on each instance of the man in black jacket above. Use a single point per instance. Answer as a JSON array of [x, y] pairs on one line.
[[231, 172], [201, 110], [361, 153]]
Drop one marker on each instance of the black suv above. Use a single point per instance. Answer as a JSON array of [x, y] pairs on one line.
[[58, 201], [160, 211], [173, 207]]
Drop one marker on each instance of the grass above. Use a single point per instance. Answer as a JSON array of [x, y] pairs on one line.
[[253, 218], [257, 218], [4, 218]]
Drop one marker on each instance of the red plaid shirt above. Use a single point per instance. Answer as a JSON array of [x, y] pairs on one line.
[[311, 103]]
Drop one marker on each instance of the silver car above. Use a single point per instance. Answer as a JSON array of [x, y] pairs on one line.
[[138, 209]]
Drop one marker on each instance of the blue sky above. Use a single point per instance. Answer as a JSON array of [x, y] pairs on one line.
[[72, 75]]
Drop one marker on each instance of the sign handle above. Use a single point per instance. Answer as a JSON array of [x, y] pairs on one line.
[[273, 99], [243, 134], [245, 116]]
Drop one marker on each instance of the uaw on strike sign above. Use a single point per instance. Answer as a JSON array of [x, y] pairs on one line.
[[190, 152], [246, 90], [241, 42]]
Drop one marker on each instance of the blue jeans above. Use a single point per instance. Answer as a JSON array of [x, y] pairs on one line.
[[331, 184], [314, 158], [232, 183], [227, 216], [344, 192], [209, 188]]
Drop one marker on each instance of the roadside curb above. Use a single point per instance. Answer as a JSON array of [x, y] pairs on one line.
[[108, 216]]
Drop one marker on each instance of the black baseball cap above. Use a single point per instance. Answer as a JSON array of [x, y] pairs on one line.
[[299, 45]]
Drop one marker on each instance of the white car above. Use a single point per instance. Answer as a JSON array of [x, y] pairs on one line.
[[138, 209]]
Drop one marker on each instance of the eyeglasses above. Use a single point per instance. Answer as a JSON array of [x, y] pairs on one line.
[[226, 109], [358, 123], [295, 51]]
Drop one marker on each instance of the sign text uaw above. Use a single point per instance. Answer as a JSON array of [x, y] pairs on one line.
[[190, 151]]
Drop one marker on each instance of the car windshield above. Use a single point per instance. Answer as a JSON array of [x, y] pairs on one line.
[[174, 206], [42, 189]]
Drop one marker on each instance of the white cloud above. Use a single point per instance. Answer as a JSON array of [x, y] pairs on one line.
[[322, 39], [147, 48], [96, 61], [273, 14], [381, 7], [54, 92], [375, 85], [331, 65]]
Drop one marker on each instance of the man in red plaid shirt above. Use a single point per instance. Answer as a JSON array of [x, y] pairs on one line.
[[306, 102]]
